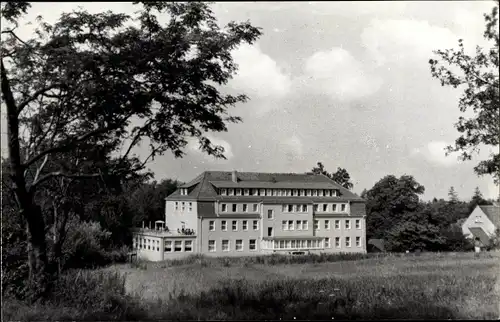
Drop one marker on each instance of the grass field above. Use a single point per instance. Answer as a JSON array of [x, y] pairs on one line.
[[440, 286]]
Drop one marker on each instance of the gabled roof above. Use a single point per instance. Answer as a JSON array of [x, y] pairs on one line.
[[379, 243], [204, 186], [493, 213]]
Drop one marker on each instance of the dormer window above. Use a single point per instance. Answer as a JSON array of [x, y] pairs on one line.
[[184, 191], [262, 192], [320, 193], [246, 192], [238, 192], [315, 193], [255, 192], [294, 192], [231, 192], [223, 192], [308, 191]]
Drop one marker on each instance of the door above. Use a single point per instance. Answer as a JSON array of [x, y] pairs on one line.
[[270, 232]]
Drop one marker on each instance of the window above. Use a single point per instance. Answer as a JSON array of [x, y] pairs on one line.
[[255, 207], [235, 207], [254, 192], [295, 192], [223, 225], [211, 246], [224, 207], [291, 225], [347, 224], [231, 192], [305, 223], [308, 192], [188, 246], [302, 192], [178, 246], [168, 245], [211, 225], [316, 224], [288, 244], [245, 207], [190, 206], [176, 205], [290, 208], [270, 214], [342, 207], [337, 242], [358, 241], [315, 193], [225, 245], [183, 204], [299, 224], [334, 207], [337, 224], [238, 192], [251, 244], [255, 225], [235, 225], [327, 242], [284, 225], [269, 231], [325, 207], [293, 244], [358, 224], [245, 225], [269, 192], [262, 192], [327, 224], [239, 245], [320, 193], [348, 241], [309, 243], [478, 219], [246, 192], [223, 192], [304, 208], [315, 207]]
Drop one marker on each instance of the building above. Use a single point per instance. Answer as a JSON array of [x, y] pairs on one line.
[[482, 223], [243, 213]]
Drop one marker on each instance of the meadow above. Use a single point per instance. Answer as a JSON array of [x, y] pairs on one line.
[[428, 286]]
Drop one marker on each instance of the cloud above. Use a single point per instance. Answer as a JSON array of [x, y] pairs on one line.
[[258, 74], [194, 147], [405, 41], [339, 75], [434, 152]]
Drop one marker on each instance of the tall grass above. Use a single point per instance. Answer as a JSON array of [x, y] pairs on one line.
[[432, 286]]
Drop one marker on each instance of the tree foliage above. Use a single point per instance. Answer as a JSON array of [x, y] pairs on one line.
[[478, 74], [83, 92], [341, 176]]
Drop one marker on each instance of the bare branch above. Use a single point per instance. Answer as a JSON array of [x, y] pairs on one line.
[[33, 97], [39, 170], [62, 174]]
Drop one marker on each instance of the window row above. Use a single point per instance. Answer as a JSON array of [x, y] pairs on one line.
[[234, 225], [326, 224], [236, 207], [338, 242], [296, 244], [279, 192], [169, 245], [330, 207], [226, 245], [290, 225], [183, 206]]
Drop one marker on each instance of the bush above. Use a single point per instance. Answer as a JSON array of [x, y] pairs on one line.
[[83, 295]]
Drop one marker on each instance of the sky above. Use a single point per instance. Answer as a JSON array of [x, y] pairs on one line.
[[344, 83]]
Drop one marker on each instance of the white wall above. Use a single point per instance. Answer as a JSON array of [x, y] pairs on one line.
[[174, 218], [484, 223]]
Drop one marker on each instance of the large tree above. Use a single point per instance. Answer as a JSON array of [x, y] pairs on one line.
[[341, 176], [103, 83], [478, 75], [389, 201]]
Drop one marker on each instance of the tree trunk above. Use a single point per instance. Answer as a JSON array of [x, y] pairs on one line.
[[40, 280]]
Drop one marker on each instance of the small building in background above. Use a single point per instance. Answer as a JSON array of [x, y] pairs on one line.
[[375, 246], [482, 223]]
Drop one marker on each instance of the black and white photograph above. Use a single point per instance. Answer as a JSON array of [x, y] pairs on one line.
[[266, 160]]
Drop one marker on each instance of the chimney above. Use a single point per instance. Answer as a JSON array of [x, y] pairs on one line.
[[234, 178]]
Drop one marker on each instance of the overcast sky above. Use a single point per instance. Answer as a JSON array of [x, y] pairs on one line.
[[345, 83]]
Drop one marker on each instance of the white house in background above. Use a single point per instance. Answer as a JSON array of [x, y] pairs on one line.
[[482, 223]]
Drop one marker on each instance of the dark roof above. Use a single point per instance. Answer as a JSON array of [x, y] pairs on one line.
[[203, 187], [379, 243], [493, 213]]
